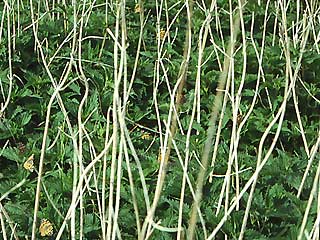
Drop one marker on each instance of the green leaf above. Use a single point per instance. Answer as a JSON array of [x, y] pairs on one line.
[[26, 117], [10, 154]]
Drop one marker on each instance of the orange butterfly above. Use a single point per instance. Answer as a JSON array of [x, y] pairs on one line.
[[46, 228], [29, 163]]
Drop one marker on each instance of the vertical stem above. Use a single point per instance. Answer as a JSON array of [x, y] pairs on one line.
[[211, 130], [178, 101]]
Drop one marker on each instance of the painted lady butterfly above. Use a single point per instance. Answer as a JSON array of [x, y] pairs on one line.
[[29, 163], [46, 228]]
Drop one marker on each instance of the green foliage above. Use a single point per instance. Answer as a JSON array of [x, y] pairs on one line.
[[276, 212]]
